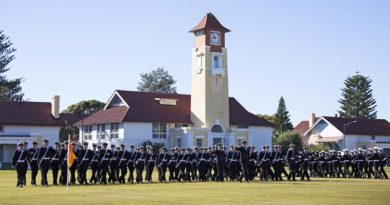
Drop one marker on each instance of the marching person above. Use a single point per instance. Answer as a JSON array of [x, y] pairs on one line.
[[305, 158], [74, 166], [130, 164], [19, 161], [104, 160], [94, 164], [220, 157], [150, 163], [140, 163], [264, 159], [291, 156], [33, 159], [162, 161], [244, 161], [55, 162], [123, 157], [44, 156], [64, 163], [85, 158], [172, 163], [113, 165]]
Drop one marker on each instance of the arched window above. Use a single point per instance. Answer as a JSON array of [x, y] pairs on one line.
[[217, 129]]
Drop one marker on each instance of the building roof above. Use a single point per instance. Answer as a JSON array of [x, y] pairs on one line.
[[209, 21], [301, 128], [362, 126], [145, 107], [27, 113]]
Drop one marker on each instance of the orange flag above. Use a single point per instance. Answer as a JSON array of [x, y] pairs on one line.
[[71, 155]]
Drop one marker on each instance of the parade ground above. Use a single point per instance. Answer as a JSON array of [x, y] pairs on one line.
[[317, 191]]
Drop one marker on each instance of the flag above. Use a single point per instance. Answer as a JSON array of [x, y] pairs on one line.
[[71, 155]]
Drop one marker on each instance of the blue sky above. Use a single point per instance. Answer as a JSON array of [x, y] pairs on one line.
[[302, 50]]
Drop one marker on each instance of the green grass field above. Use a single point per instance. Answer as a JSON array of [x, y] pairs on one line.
[[317, 191]]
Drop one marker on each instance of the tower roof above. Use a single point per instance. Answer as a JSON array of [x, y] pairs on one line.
[[209, 21]]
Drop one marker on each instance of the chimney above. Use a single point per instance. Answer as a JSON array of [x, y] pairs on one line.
[[55, 106], [312, 119]]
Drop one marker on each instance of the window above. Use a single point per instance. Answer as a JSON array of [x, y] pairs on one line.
[[101, 131], [180, 125], [199, 33], [178, 142], [159, 130], [217, 129], [216, 61], [199, 61], [1, 128], [243, 126], [88, 132], [114, 131], [199, 142]]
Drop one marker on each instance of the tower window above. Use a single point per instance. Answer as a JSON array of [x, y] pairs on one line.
[[217, 129]]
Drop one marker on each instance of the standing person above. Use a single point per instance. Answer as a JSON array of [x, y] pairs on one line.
[[55, 162], [140, 163], [291, 156], [94, 164], [123, 157], [305, 158], [130, 164], [163, 159], [19, 161], [104, 160], [33, 159], [220, 157], [244, 161], [45, 155], [150, 163], [25, 148]]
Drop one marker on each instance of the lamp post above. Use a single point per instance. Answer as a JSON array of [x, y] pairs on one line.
[[345, 126]]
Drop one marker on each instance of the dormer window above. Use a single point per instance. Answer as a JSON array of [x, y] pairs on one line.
[[166, 101]]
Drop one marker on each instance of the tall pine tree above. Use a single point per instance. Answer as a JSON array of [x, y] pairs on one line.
[[282, 120], [9, 89], [357, 98]]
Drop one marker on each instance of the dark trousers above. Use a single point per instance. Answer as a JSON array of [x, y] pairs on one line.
[[20, 167], [163, 169], [72, 170], [130, 166], [305, 173], [113, 172], [34, 171], [172, 167], [234, 170], [149, 171], [55, 167], [292, 169], [94, 168], [220, 172], [45, 165], [180, 171], [264, 166], [202, 170], [83, 168], [103, 171], [123, 171], [244, 173], [64, 173], [139, 166]]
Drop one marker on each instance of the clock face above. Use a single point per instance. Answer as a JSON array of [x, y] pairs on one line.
[[215, 38]]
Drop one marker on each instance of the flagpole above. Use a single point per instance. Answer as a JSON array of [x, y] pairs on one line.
[[67, 166]]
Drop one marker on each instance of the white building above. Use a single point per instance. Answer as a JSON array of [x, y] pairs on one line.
[[206, 117], [358, 133], [26, 122]]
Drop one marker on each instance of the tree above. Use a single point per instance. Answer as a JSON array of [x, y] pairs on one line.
[[282, 120], [357, 98], [86, 107], [269, 118], [158, 81], [9, 89], [287, 138]]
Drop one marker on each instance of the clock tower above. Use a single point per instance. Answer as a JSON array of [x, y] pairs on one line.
[[210, 93]]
